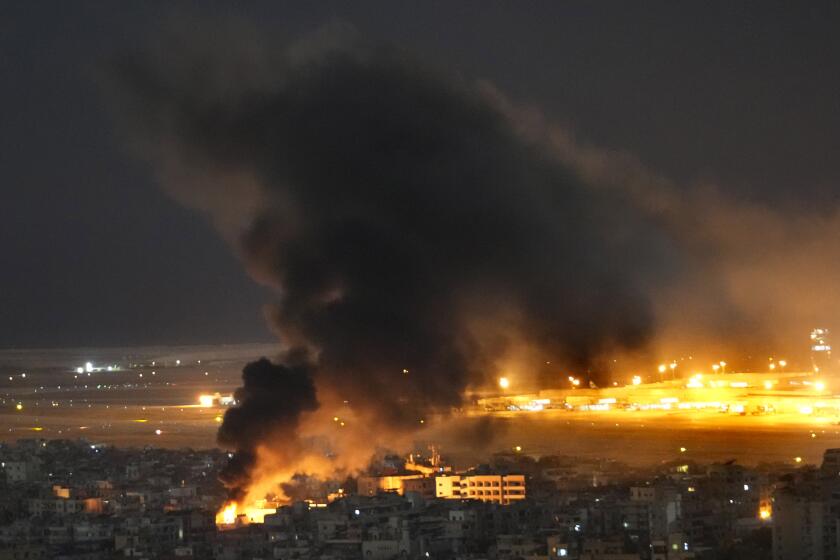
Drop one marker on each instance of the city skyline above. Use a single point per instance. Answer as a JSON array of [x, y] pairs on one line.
[[407, 280]]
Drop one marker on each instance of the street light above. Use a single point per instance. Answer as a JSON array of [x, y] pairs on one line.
[[504, 382]]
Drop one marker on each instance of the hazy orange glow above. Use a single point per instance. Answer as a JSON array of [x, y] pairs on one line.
[[233, 514], [350, 440], [205, 400]]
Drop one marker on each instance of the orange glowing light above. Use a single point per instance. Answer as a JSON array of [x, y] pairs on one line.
[[233, 515], [764, 513], [205, 400], [227, 515]]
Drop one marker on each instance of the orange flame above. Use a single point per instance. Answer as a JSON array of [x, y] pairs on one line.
[[234, 514], [227, 515], [765, 512]]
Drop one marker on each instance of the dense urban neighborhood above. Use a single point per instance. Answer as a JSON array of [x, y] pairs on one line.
[[78, 500]]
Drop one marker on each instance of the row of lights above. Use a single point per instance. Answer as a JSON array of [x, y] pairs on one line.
[[504, 382]]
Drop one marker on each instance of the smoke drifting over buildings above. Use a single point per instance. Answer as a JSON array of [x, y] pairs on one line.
[[419, 239], [270, 402], [417, 243]]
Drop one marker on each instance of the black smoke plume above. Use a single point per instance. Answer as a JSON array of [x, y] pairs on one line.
[[417, 242], [268, 407]]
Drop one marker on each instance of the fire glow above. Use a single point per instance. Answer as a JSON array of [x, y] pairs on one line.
[[227, 515], [231, 515]]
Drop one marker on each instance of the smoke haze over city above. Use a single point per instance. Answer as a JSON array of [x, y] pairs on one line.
[[390, 257], [423, 233]]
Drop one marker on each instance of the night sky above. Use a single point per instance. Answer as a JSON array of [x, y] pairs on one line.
[[93, 253]]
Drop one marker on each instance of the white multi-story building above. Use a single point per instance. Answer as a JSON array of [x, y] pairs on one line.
[[496, 488]]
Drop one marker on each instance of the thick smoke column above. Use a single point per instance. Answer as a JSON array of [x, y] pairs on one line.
[[417, 242], [269, 405]]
